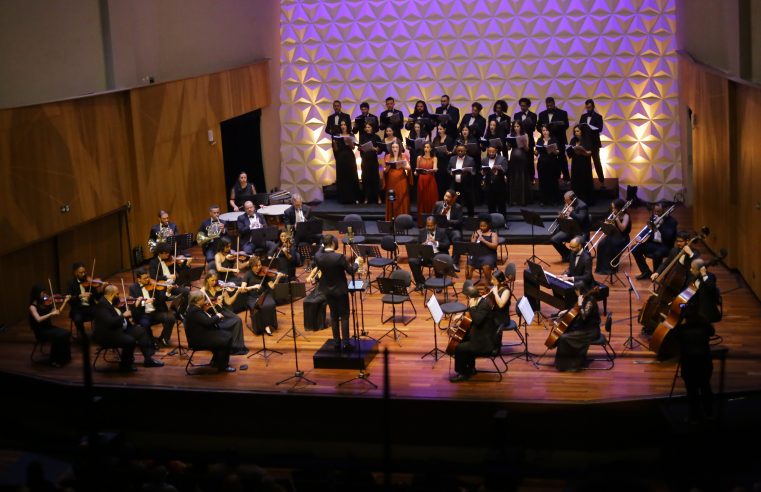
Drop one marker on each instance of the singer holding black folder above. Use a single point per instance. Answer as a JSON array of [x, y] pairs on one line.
[[593, 122], [581, 164], [370, 147], [443, 144], [398, 178], [392, 118], [521, 167], [547, 151], [347, 181], [474, 120]]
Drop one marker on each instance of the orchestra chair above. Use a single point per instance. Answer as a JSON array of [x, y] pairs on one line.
[[376, 260], [512, 327], [358, 228], [441, 280], [405, 277], [498, 226], [494, 355], [73, 329], [403, 225], [194, 347], [104, 350], [38, 348], [603, 341]]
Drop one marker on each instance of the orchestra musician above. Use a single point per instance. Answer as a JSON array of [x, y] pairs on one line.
[[573, 344], [365, 118], [452, 210], [213, 229], [316, 303], [494, 170], [593, 121], [578, 211], [112, 327], [451, 112], [248, 222], [474, 121], [433, 236], [260, 300], [392, 118], [297, 213], [203, 328], [487, 258], [161, 231], [579, 266], [84, 295], [287, 254], [227, 301], [42, 309], [658, 244], [333, 125], [557, 121], [617, 239], [334, 267], [479, 340], [150, 307], [500, 292], [462, 167], [681, 242], [241, 192], [165, 268], [227, 262]]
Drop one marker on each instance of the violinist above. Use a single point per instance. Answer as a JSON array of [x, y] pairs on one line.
[[150, 307], [112, 327], [433, 236], [84, 294], [204, 329], [452, 210], [226, 300], [617, 239], [573, 344], [486, 258], [287, 254], [42, 309], [658, 244], [164, 268], [481, 338], [260, 300], [681, 243], [225, 261], [578, 211]]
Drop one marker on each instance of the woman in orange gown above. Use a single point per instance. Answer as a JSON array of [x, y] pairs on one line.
[[398, 178], [427, 191]]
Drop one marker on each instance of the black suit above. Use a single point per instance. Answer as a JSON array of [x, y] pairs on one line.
[[477, 124], [80, 312], [160, 314], [529, 127], [580, 215], [289, 216], [594, 119], [210, 248], [558, 129], [454, 115], [580, 268], [204, 333], [333, 283], [334, 128], [465, 186], [385, 122], [360, 121], [112, 329], [495, 183], [248, 244], [156, 227], [439, 236], [657, 250], [480, 340]]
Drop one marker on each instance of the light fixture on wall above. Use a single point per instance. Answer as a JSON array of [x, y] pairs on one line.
[[210, 136]]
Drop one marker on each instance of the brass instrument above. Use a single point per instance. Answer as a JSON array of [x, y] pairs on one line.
[[362, 270], [562, 215], [447, 207], [161, 237], [652, 225], [594, 241], [213, 231]]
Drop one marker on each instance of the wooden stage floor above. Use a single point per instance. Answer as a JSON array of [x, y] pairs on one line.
[[636, 375]]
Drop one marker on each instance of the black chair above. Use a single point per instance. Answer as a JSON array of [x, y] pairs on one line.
[[495, 354], [39, 347], [604, 341], [442, 278], [376, 260], [405, 276], [357, 226], [403, 225], [103, 350], [498, 226]]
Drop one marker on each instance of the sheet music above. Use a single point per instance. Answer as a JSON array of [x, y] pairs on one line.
[[526, 310], [356, 285], [435, 309]]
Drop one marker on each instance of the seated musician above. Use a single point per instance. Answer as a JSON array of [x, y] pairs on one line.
[[249, 221], [226, 301], [241, 192], [658, 244], [479, 340], [578, 211], [212, 228], [42, 310], [225, 261], [165, 268], [161, 231], [150, 307], [500, 297], [84, 295], [435, 237], [452, 210], [579, 271], [287, 255], [316, 302], [487, 258], [112, 327], [260, 300], [573, 344], [203, 328], [297, 213], [617, 239], [681, 243]]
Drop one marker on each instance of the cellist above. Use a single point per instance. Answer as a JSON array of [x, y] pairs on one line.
[[479, 340], [681, 243], [573, 344]]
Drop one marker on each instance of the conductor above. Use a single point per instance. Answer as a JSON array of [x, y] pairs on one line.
[[333, 283]]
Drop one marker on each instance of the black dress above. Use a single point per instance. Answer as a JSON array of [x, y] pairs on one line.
[[574, 343], [231, 323], [519, 179], [609, 247], [370, 176], [44, 331], [347, 181], [261, 303], [547, 168], [581, 174], [442, 170]]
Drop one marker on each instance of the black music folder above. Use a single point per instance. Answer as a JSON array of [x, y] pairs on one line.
[[496, 143], [442, 148], [443, 118], [472, 148], [367, 146]]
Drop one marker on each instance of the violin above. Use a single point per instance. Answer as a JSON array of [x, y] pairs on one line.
[[269, 272], [178, 259], [153, 285], [241, 255], [48, 299], [121, 301], [88, 282]]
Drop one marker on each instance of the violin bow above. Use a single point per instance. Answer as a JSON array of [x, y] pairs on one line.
[[203, 291], [92, 277], [156, 281], [52, 294], [237, 254], [174, 264]]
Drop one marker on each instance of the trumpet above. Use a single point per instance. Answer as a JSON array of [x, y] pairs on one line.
[[213, 231], [161, 237], [562, 215], [643, 235], [594, 241]]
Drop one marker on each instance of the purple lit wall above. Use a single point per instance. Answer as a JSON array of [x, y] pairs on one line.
[[621, 53]]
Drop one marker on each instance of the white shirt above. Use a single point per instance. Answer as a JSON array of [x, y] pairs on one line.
[[491, 162], [589, 120], [149, 308], [549, 117], [523, 116], [299, 215], [335, 120], [253, 222], [458, 165], [164, 269]]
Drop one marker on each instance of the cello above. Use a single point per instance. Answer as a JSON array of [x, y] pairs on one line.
[[562, 324], [458, 333]]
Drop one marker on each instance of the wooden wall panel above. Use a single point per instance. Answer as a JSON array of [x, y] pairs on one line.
[[22, 269], [749, 186]]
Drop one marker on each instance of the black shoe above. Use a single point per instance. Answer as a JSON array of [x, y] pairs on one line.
[[153, 363], [129, 368], [458, 378], [227, 369], [643, 275]]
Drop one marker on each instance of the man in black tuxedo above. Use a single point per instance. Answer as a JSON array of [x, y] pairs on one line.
[[453, 213], [494, 170], [333, 125], [528, 119], [204, 333], [333, 283], [500, 116], [580, 266], [462, 167], [474, 121], [557, 121], [433, 236], [658, 244], [452, 112], [480, 340], [297, 213], [83, 299], [162, 230], [112, 327], [207, 226], [150, 308], [393, 118], [594, 122], [249, 221], [579, 212], [364, 117]]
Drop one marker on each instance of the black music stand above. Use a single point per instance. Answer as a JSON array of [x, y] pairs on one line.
[[189, 275], [263, 352], [613, 276], [435, 309], [260, 199], [534, 219], [423, 252], [184, 241], [631, 342], [293, 289], [570, 227], [308, 230], [354, 287], [287, 293], [393, 287]]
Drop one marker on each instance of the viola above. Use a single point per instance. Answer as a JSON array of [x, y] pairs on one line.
[[268, 272], [48, 299], [178, 259], [241, 255], [153, 285], [121, 301]]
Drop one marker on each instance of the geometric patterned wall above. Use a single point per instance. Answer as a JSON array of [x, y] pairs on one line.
[[621, 53]]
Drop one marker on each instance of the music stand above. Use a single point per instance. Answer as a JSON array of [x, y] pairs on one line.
[[263, 352], [355, 286], [287, 293], [570, 227], [534, 219], [613, 275], [442, 221], [539, 274], [308, 229], [424, 252], [436, 315], [260, 199], [395, 288], [189, 275], [631, 342], [525, 317], [184, 241], [293, 289]]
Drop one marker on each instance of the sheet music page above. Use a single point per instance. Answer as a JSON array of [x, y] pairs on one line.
[[526, 310], [435, 309]]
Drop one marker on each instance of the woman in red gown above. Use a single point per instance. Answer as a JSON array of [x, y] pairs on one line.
[[427, 191], [398, 178]]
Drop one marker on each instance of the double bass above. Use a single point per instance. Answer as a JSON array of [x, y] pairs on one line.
[[562, 324]]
